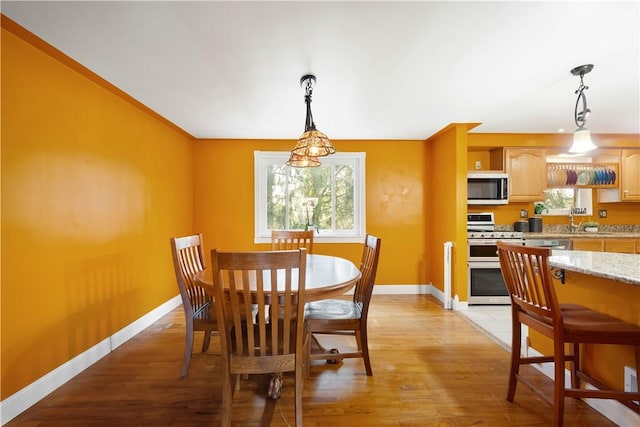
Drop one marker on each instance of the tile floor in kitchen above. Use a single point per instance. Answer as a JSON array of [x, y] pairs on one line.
[[494, 320]]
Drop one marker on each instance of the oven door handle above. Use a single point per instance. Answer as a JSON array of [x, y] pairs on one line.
[[486, 243], [484, 264]]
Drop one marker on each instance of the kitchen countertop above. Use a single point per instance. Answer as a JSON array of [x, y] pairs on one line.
[[609, 265], [581, 235]]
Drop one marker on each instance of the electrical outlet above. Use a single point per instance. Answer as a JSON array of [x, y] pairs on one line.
[[478, 165], [524, 213], [602, 213], [630, 379]]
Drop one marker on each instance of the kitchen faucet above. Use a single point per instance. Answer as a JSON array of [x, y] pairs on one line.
[[572, 227]]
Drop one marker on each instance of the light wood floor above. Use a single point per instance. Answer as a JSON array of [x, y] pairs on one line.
[[431, 368]]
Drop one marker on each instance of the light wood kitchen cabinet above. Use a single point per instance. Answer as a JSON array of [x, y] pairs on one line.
[[588, 245], [527, 169], [630, 175], [629, 179], [624, 246]]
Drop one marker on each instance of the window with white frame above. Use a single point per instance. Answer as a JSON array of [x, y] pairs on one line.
[[560, 201], [329, 198]]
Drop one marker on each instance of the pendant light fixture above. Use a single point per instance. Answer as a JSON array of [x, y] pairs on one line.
[[313, 143], [298, 161], [582, 136]]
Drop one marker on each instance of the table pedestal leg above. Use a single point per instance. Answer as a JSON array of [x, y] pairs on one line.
[[275, 386]]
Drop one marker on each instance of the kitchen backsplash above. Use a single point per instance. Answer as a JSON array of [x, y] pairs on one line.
[[561, 228]]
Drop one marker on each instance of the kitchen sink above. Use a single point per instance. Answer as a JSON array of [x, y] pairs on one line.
[[549, 243]]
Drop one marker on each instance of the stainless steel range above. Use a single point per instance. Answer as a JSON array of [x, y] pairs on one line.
[[486, 285]]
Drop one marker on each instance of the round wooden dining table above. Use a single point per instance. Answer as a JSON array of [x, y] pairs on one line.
[[327, 277]]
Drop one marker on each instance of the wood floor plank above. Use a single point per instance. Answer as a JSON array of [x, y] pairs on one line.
[[430, 367]]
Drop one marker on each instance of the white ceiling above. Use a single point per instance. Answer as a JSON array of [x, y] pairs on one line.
[[385, 70]]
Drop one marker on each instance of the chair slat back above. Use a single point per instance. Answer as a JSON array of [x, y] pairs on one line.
[[368, 269], [527, 274], [244, 282], [188, 259], [286, 240]]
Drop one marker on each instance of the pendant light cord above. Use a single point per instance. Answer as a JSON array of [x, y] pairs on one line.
[[309, 124]]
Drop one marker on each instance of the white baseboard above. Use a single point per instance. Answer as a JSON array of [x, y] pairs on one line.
[[612, 409], [456, 304], [403, 289], [400, 290], [20, 401]]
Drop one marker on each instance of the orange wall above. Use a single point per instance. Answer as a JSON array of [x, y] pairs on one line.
[[93, 186], [481, 144], [448, 199], [395, 196]]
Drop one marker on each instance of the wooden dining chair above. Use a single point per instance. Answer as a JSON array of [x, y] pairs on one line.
[[188, 259], [347, 317], [534, 303], [286, 240], [274, 282]]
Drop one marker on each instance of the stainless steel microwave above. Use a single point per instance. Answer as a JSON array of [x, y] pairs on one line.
[[487, 188]]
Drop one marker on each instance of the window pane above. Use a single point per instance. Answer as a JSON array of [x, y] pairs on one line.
[[559, 198], [344, 198], [559, 201], [276, 196], [328, 198]]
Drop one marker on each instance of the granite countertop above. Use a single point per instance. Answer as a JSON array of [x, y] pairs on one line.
[[582, 235], [609, 265]]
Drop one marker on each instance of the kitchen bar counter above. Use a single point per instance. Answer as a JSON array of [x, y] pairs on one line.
[[608, 283], [623, 268]]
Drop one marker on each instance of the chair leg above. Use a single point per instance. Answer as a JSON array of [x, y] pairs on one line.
[[299, 375], [188, 345], [558, 383], [516, 334], [307, 364], [364, 343], [206, 341], [227, 398], [638, 370], [575, 366]]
